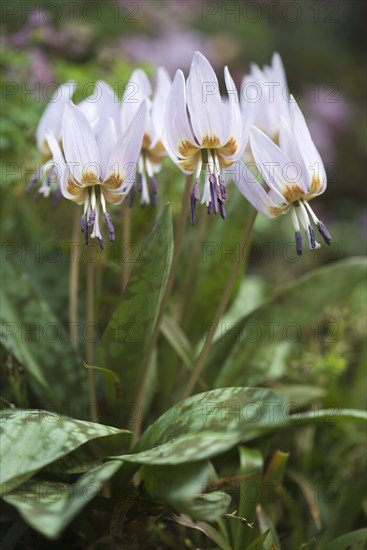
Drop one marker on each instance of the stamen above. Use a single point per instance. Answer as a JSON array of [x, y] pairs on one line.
[[324, 232], [83, 223], [222, 189], [50, 176], [109, 225], [140, 182], [153, 188], [57, 197], [209, 210], [194, 198], [100, 242], [33, 181], [298, 236], [92, 217], [222, 210], [131, 195], [213, 193], [311, 232]]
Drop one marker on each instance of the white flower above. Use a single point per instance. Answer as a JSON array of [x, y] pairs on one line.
[[293, 172], [153, 152], [50, 121], [101, 105], [95, 169], [268, 87], [203, 132]]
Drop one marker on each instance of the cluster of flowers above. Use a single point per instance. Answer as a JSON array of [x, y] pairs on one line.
[[101, 151]]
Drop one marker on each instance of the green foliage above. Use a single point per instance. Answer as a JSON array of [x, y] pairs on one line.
[[35, 337], [271, 453], [33, 439], [124, 343]]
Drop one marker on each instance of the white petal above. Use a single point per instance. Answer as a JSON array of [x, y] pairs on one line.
[[163, 88], [51, 118], [207, 114], [108, 105], [177, 127], [307, 148], [106, 141], [253, 191], [281, 92], [79, 144], [274, 165], [123, 160], [60, 165], [234, 125], [137, 90]]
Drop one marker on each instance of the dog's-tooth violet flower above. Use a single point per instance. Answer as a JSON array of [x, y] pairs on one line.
[[153, 152], [95, 170], [268, 87], [102, 104], [50, 121], [203, 132], [294, 174], [97, 107]]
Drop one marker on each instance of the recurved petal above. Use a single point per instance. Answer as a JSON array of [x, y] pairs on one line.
[[107, 106], [278, 171], [163, 87], [69, 188], [316, 175], [106, 141], [123, 160], [50, 120], [207, 114], [234, 124], [178, 138], [138, 90], [253, 191], [80, 147]]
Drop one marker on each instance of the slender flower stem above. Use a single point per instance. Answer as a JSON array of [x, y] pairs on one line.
[[74, 279], [144, 378], [221, 309], [90, 344], [126, 236]]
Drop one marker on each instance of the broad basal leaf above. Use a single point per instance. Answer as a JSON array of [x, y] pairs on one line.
[[32, 439], [49, 506], [208, 424]]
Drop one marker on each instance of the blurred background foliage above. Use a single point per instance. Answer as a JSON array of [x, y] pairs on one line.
[[322, 46]]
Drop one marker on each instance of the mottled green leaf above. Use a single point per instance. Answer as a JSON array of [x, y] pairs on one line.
[[124, 343], [49, 506], [208, 424], [246, 355], [32, 439], [40, 343]]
